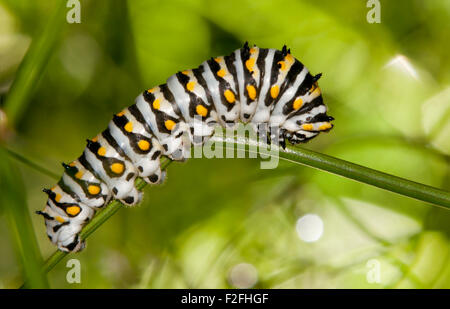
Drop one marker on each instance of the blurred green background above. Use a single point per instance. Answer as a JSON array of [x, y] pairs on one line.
[[387, 85]]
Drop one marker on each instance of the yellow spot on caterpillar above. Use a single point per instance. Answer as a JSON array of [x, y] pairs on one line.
[[249, 64], [313, 87], [95, 139], [143, 145], [169, 124], [289, 58], [156, 104], [190, 86], [316, 91], [73, 210], [274, 91], [101, 151], [58, 197], [120, 114], [59, 219], [297, 103], [307, 127], [217, 59], [282, 65], [72, 164], [229, 95], [252, 50], [151, 90], [93, 189], [325, 126], [201, 110], [117, 168], [128, 127], [221, 73], [79, 174], [186, 72], [251, 92]]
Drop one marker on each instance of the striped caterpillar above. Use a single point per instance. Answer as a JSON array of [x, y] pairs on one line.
[[264, 87]]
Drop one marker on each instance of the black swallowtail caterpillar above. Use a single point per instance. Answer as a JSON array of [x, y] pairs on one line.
[[251, 85]]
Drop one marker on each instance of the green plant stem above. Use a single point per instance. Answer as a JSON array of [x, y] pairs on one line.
[[349, 170], [369, 176], [30, 163], [299, 156]]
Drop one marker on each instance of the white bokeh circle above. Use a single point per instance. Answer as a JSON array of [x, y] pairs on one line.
[[309, 228]]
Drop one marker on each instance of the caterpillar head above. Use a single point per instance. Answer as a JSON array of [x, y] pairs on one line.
[[309, 114], [64, 218]]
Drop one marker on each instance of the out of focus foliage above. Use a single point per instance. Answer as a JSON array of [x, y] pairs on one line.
[[226, 223]]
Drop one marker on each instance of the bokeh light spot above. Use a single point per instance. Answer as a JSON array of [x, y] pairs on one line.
[[309, 227], [243, 276]]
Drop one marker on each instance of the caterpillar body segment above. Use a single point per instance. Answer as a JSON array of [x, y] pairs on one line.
[[267, 88]]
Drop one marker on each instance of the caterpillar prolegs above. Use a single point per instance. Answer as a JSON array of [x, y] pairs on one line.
[[254, 85]]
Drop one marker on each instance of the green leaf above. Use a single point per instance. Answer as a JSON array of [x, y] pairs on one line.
[[33, 66], [13, 202]]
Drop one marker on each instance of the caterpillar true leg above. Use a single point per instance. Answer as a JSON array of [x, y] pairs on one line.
[[268, 88]]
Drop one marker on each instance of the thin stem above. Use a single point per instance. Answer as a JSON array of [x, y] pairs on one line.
[[369, 176], [422, 192], [31, 163], [296, 155]]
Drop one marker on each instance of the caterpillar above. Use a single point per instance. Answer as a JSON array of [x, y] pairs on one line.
[[264, 87]]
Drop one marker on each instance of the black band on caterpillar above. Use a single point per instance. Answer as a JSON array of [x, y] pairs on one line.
[[252, 85]]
